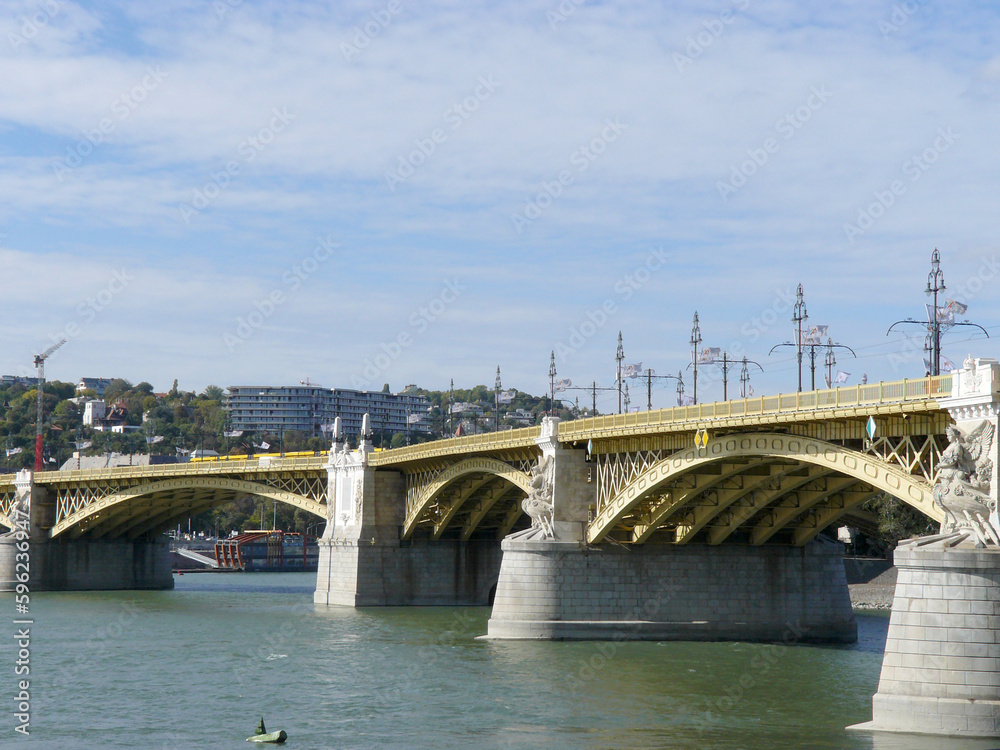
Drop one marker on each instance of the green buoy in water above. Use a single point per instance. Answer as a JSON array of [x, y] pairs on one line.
[[262, 735]]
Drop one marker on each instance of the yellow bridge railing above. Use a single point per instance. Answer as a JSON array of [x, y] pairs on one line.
[[487, 441], [206, 468], [808, 402]]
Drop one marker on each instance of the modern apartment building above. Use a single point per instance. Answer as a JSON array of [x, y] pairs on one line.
[[311, 409], [98, 385]]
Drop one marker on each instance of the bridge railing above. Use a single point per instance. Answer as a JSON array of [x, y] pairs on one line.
[[873, 394], [261, 463], [524, 436]]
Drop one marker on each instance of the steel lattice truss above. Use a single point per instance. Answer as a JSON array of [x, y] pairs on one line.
[[476, 493], [917, 454], [758, 486], [133, 505], [615, 470], [8, 495]]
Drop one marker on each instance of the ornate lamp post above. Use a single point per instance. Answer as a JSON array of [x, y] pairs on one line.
[[620, 357], [695, 343]]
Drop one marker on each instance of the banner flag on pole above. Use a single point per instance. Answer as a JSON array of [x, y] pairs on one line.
[[709, 355], [812, 336]]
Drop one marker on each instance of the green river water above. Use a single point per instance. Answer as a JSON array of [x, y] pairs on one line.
[[197, 666]]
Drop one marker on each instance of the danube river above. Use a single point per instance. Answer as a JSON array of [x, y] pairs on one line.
[[196, 667]]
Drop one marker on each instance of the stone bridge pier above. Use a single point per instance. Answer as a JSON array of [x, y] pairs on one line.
[[362, 560], [64, 564], [941, 667], [553, 585]]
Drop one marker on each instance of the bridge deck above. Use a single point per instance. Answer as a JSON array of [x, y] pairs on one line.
[[206, 468], [896, 397]]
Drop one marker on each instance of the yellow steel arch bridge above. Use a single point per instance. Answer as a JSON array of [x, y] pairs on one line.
[[774, 469]]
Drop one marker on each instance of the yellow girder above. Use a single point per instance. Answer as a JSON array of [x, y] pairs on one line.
[[835, 458], [477, 465], [118, 504]]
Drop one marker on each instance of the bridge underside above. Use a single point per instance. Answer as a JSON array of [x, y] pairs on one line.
[[153, 507], [746, 501], [757, 488], [477, 506]]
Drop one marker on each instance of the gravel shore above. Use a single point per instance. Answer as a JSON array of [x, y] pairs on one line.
[[876, 594]]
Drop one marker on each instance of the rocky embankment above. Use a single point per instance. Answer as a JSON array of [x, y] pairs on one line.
[[876, 593]]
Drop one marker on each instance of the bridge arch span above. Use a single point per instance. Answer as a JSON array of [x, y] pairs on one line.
[[429, 493], [157, 505], [831, 458]]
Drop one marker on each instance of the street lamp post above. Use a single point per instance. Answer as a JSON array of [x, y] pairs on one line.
[[552, 381], [695, 343], [935, 284], [649, 385], [745, 376], [798, 317], [935, 327], [496, 408], [592, 389], [620, 357]]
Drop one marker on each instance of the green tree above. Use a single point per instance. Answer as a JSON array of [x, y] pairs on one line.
[[897, 520]]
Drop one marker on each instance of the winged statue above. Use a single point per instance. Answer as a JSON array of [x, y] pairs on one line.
[[538, 504], [963, 487]]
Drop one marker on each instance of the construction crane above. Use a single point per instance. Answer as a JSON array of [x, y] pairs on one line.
[[40, 369]]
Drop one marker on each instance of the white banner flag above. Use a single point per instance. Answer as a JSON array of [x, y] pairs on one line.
[[507, 397], [841, 376], [946, 365], [945, 314], [813, 335], [955, 307], [412, 419], [13, 451], [265, 446], [709, 355], [562, 385], [633, 371]]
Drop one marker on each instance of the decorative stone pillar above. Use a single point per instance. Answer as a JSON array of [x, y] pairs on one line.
[[941, 668], [559, 504], [344, 568], [361, 560]]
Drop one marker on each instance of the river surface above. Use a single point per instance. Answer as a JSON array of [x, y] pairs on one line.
[[196, 667]]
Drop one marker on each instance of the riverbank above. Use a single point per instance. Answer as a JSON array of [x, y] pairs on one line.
[[876, 593]]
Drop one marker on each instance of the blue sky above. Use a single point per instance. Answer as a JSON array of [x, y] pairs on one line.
[[251, 192]]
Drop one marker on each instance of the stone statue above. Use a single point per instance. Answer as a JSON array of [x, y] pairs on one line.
[[963, 487], [19, 511], [359, 496], [538, 504]]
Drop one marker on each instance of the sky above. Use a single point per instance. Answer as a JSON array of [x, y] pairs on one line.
[[232, 192]]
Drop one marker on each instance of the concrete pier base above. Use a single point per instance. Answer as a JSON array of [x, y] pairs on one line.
[[356, 573], [82, 564], [558, 590], [941, 668]]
